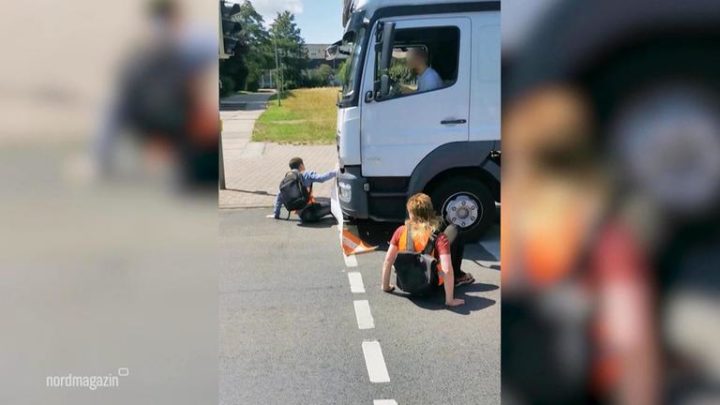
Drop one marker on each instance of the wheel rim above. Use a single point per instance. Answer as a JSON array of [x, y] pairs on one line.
[[667, 139], [463, 210]]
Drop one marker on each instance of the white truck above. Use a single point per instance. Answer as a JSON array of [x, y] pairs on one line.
[[394, 141]]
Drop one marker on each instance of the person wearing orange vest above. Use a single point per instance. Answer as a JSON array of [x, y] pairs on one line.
[[578, 290], [317, 207], [448, 248]]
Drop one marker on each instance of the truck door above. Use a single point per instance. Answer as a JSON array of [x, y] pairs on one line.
[[400, 129]]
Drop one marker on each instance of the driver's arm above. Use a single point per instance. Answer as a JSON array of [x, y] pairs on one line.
[[405, 89]]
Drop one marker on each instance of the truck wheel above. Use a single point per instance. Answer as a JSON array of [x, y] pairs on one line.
[[466, 203]]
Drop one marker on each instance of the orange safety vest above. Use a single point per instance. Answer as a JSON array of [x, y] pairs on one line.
[[204, 125], [311, 200], [420, 240]]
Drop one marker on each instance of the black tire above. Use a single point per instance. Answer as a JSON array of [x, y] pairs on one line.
[[462, 188]]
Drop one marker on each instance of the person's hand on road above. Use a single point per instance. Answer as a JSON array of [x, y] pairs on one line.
[[455, 302]]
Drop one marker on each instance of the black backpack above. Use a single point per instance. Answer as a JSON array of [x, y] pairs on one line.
[[156, 96], [549, 360], [551, 357], [295, 195], [416, 272]]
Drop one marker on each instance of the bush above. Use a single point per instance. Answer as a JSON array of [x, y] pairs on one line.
[[252, 83], [228, 86], [344, 73], [319, 77]]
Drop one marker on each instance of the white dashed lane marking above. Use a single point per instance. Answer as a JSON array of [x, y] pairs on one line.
[[384, 402], [363, 315], [375, 362], [350, 261], [356, 282]]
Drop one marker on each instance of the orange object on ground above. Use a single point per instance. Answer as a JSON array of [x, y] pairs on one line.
[[353, 245]]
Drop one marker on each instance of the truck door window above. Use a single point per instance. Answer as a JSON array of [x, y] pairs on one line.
[[423, 60], [351, 71]]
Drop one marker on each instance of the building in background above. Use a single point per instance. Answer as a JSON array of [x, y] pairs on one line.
[[316, 54], [316, 58]]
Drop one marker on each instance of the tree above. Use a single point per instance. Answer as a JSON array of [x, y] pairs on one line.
[[286, 37], [343, 73], [319, 77], [232, 70], [252, 55], [324, 72], [259, 56]]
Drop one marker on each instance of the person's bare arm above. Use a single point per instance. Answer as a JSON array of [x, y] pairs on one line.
[[449, 281], [387, 266], [625, 309], [405, 89]]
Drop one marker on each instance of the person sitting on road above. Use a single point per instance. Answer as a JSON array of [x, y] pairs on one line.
[[316, 208], [448, 249], [427, 78]]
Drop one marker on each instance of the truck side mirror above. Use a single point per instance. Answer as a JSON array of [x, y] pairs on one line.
[[385, 37]]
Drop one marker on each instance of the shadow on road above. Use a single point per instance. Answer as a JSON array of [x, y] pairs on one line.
[[257, 192], [473, 303], [242, 106], [376, 233], [328, 222], [476, 252], [477, 287]]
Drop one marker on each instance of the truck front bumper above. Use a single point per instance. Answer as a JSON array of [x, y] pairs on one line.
[[352, 193]]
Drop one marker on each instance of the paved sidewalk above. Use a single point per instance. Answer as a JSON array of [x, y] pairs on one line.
[[253, 170]]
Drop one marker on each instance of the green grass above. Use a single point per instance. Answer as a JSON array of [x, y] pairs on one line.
[[307, 116]]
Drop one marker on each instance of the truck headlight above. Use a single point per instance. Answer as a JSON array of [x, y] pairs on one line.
[[345, 192]]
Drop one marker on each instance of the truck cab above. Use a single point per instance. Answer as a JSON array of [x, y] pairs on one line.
[[395, 140]]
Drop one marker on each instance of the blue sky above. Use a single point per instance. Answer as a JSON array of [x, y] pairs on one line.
[[319, 20]]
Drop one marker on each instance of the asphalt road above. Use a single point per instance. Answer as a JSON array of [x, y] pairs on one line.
[[98, 275], [246, 101], [289, 332]]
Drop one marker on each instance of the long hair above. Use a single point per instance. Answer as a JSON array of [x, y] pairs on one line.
[[422, 214]]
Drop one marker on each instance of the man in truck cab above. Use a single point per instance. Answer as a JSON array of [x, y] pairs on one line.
[[427, 78]]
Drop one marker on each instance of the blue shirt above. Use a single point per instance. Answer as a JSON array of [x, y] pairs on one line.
[[308, 178], [429, 80]]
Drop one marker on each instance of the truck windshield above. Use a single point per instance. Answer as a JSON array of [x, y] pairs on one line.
[[352, 70]]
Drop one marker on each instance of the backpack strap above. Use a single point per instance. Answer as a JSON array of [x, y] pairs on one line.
[[430, 246], [409, 243]]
